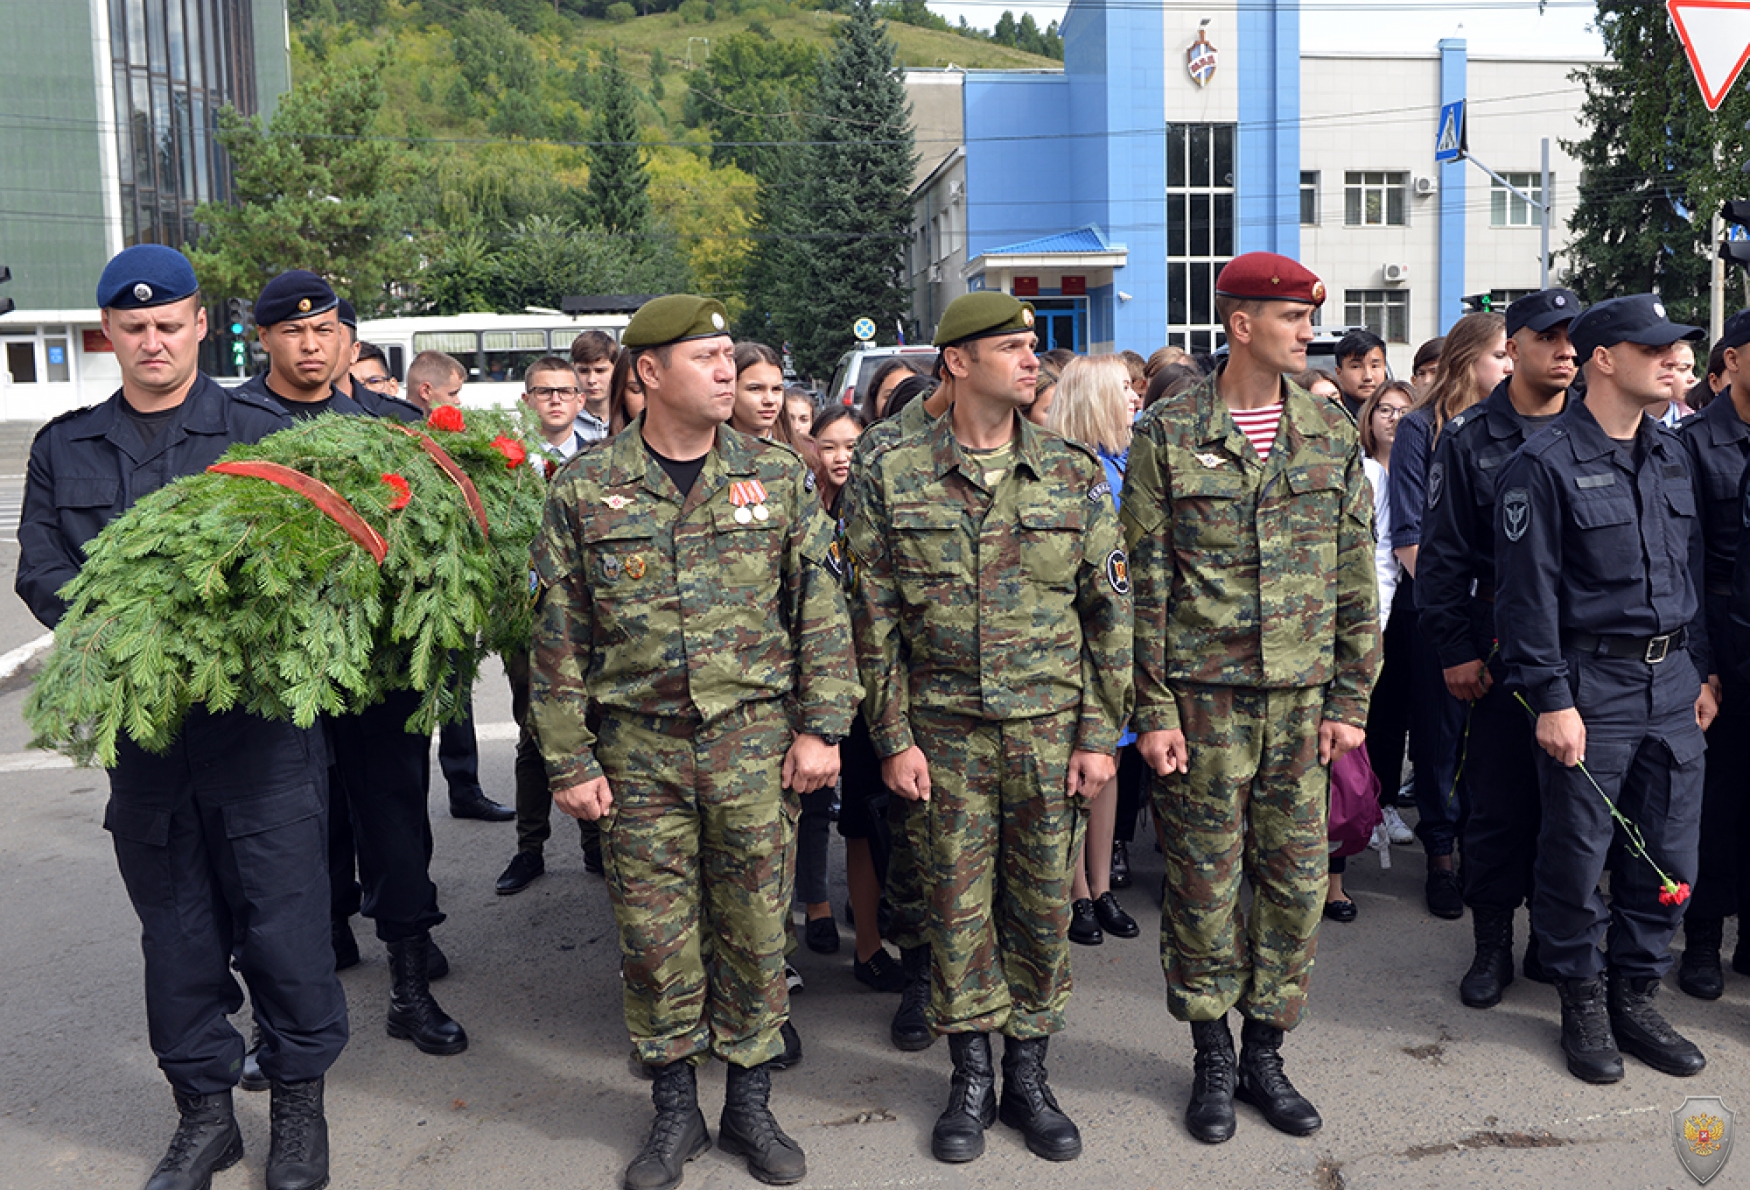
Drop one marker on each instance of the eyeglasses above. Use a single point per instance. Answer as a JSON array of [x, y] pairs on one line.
[[1392, 411], [543, 393], [375, 382]]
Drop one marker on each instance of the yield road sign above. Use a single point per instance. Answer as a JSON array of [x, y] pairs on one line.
[[1716, 36]]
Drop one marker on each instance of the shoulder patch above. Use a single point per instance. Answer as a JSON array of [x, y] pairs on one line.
[[1118, 571], [1436, 484], [1515, 512], [1100, 490]]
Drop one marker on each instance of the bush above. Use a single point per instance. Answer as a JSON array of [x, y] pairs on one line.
[[620, 12]]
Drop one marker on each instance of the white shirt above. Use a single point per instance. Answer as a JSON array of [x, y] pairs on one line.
[[1385, 566]]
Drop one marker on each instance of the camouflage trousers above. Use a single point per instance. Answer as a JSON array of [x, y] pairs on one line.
[[1253, 806], [908, 861], [1001, 838], [694, 850]]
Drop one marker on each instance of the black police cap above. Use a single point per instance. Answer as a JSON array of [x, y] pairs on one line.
[[1736, 332], [1542, 310], [1639, 318]]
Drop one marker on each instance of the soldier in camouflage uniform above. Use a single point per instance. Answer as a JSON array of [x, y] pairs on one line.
[[993, 632], [692, 673], [1249, 522]]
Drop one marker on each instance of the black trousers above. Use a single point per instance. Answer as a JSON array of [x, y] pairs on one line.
[[458, 753], [1388, 711], [1722, 882], [1645, 751], [534, 797], [1506, 809], [384, 773], [221, 842], [1436, 732]]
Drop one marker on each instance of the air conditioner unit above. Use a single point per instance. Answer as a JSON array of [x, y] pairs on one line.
[[1424, 186], [935, 272], [1395, 273]]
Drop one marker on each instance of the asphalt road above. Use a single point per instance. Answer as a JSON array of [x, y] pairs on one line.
[[1417, 1091]]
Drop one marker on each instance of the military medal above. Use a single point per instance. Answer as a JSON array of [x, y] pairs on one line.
[[610, 568], [635, 567], [749, 498], [616, 501]]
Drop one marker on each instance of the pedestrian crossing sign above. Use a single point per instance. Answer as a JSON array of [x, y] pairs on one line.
[[1451, 144]]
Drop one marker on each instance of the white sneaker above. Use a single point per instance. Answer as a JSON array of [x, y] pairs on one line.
[[1380, 845], [1396, 829], [792, 978]]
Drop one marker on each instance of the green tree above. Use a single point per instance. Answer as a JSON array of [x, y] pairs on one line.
[[490, 54], [1655, 166], [316, 188], [619, 185], [749, 95], [1004, 33], [847, 233]]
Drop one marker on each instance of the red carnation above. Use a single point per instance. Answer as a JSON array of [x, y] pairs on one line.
[[511, 449], [446, 417], [1674, 894], [549, 467], [403, 491]]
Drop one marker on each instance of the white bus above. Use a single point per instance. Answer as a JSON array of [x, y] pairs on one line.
[[495, 348]]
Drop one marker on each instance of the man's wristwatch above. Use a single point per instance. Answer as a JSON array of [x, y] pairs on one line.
[[831, 741]]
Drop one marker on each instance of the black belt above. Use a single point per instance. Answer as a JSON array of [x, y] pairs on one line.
[[1651, 649]]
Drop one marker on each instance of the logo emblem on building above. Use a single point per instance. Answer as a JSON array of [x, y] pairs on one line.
[[1701, 1131], [1200, 60]]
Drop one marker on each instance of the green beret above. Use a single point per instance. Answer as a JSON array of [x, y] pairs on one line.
[[670, 319], [980, 315]]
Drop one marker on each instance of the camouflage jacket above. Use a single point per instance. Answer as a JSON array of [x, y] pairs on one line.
[[1003, 604], [650, 605], [1246, 572]]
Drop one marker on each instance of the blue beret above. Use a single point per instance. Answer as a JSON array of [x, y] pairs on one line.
[[145, 275], [293, 295], [348, 316]]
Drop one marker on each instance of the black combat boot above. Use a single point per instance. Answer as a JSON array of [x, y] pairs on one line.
[[1029, 1106], [1265, 1086], [252, 1079], [413, 1014], [972, 1100], [911, 1027], [747, 1129], [1492, 968], [1641, 1031], [1586, 1035], [1699, 973], [297, 1159], [678, 1134], [1210, 1115], [206, 1140]]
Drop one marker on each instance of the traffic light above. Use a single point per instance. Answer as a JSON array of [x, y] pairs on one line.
[[1479, 303], [239, 313], [1736, 212], [6, 306]]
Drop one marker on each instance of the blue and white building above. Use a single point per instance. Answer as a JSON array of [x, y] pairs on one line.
[[1110, 192]]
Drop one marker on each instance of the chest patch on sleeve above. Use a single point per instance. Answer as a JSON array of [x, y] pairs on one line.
[[1118, 571], [1100, 490], [1515, 513], [1436, 484]]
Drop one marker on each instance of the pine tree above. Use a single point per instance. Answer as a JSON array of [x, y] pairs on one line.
[[1656, 165], [854, 198], [619, 185]]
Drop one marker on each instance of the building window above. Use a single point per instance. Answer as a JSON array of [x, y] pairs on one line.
[[1385, 312], [1507, 209], [1200, 229], [1309, 197], [1500, 299], [1375, 199]]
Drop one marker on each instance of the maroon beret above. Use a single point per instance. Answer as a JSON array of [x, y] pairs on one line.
[[1265, 276]]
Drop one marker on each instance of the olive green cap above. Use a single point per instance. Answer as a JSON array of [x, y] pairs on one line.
[[980, 315], [670, 319]]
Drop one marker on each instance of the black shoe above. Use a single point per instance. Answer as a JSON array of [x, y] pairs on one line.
[[1491, 970], [1084, 927], [413, 1014], [881, 972], [1641, 1031], [911, 1024], [1699, 974], [297, 1158], [822, 935], [206, 1140], [972, 1101], [520, 872], [1586, 1036], [252, 1079], [1445, 898], [1120, 864], [1029, 1106], [346, 947], [1532, 967], [677, 1135], [792, 1048], [1265, 1085], [1210, 1115], [592, 860], [1113, 919], [747, 1129], [473, 803], [1343, 911]]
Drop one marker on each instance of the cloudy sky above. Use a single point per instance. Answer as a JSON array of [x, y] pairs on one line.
[[1493, 26]]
